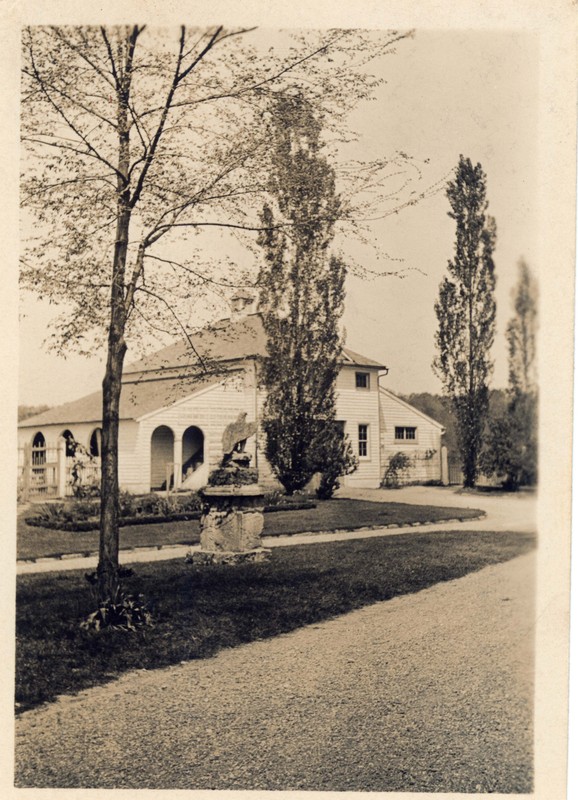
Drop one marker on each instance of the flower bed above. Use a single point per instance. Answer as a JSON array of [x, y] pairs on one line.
[[83, 515]]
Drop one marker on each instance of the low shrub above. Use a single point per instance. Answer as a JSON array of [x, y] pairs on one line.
[[84, 509], [126, 504], [279, 501], [83, 515], [398, 466], [187, 502], [225, 476]]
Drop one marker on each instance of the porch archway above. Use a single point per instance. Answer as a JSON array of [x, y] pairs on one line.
[[38, 449], [70, 443], [95, 443], [195, 467], [162, 454], [193, 454]]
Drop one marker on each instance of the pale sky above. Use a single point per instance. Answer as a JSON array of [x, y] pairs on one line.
[[447, 93]]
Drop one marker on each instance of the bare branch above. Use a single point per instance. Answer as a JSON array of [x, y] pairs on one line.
[[199, 275], [91, 150], [201, 55], [178, 321], [82, 53]]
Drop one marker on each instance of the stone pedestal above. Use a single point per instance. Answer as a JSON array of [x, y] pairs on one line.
[[231, 525]]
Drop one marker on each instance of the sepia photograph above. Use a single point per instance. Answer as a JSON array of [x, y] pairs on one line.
[[294, 295]]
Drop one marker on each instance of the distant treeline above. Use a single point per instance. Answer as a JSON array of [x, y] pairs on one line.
[[30, 411], [438, 408]]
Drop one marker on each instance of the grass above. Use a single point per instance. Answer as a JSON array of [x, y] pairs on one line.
[[329, 515], [200, 610]]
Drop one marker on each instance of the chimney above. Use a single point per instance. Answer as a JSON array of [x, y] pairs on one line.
[[243, 303]]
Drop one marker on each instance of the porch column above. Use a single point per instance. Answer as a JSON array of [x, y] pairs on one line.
[[61, 467], [177, 459], [445, 473], [26, 471]]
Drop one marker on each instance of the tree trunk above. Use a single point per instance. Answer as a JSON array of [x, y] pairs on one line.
[[109, 506], [107, 571], [473, 416]]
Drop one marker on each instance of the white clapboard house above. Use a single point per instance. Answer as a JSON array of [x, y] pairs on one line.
[[172, 417]]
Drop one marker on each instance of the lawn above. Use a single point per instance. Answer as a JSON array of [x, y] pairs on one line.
[[200, 610], [337, 514]]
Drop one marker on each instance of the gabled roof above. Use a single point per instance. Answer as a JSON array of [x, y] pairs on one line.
[[226, 340], [415, 410], [137, 400], [178, 371], [357, 360]]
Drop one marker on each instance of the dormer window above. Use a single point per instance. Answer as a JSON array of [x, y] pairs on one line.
[[362, 380]]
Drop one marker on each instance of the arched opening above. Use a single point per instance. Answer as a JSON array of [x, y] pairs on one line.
[[38, 449], [162, 457], [195, 472], [193, 450], [95, 443], [70, 443]]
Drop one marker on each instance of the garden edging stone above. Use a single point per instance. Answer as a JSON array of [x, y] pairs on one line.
[[336, 532]]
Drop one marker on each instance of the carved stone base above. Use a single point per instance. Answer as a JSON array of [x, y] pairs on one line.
[[231, 530], [205, 558], [232, 520]]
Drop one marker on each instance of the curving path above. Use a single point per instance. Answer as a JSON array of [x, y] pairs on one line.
[[428, 692], [503, 512]]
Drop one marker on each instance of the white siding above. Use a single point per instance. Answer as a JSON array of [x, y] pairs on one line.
[[210, 410], [354, 407], [360, 407], [82, 431], [424, 451]]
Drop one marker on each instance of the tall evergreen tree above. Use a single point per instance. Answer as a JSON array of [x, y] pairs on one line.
[[521, 333], [302, 295], [511, 450], [466, 311]]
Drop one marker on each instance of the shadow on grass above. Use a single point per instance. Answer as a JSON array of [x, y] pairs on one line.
[[200, 610]]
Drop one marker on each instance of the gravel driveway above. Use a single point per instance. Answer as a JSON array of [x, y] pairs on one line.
[[428, 692]]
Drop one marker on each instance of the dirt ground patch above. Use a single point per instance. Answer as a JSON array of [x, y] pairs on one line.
[[428, 692]]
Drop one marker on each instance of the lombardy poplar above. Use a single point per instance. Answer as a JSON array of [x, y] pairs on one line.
[[466, 311], [302, 295]]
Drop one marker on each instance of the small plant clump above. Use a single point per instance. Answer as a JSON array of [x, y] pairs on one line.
[[397, 466], [278, 500], [127, 612], [234, 471], [227, 476]]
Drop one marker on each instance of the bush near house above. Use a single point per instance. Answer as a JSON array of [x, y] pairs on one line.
[[397, 467]]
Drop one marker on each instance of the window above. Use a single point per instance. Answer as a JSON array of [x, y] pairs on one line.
[[362, 380], [70, 443], [38, 449], [95, 443], [363, 441], [404, 433]]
